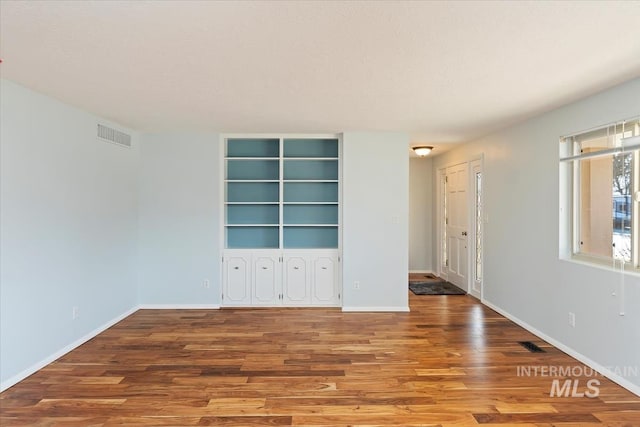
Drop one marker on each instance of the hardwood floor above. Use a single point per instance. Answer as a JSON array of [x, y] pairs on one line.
[[449, 362]]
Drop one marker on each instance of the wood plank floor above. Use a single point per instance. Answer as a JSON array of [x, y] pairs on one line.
[[450, 362]]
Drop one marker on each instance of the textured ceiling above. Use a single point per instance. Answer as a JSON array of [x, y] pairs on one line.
[[442, 71]]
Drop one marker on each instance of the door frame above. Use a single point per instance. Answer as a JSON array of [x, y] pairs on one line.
[[440, 225], [441, 173], [476, 288]]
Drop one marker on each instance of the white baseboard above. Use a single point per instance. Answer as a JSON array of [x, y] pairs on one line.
[[623, 382], [178, 306], [421, 272], [58, 354], [375, 309]]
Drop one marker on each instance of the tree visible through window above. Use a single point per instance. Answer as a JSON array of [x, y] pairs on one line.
[[621, 207]]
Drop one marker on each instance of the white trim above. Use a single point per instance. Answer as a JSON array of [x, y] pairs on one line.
[[439, 172], [600, 264], [340, 265], [476, 166], [64, 350], [278, 135], [222, 191], [602, 153], [250, 306], [374, 309], [623, 382], [179, 307], [599, 127], [77, 343], [422, 272]]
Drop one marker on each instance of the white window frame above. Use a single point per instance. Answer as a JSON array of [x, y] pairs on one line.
[[570, 178]]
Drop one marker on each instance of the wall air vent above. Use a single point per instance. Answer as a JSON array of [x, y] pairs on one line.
[[114, 136]]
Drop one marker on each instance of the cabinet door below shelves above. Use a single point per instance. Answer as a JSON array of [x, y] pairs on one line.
[[237, 280], [296, 282], [267, 278], [325, 290]]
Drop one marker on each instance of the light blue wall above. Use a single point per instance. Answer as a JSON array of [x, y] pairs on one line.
[[180, 211], [421, 201], [179, 243], [523, 275], [375, 194], [68, 218]]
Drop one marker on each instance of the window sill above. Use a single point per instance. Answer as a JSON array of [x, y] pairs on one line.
[[601, 264]]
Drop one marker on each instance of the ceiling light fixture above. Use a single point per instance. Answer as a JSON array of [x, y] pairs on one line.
[[422, 150]]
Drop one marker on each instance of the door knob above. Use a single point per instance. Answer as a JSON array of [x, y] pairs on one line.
[[236, 268], [296, 268], [464, 233]]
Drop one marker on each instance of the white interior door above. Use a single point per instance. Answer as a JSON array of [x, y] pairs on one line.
[[456, 223]]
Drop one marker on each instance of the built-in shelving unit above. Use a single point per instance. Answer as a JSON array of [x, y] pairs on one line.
[[281, 193], [281, 221], [252, 189], [310, 203]]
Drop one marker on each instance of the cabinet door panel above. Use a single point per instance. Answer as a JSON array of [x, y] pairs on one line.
[[266, 280], [237, 289], [324, 280], [296, 286]]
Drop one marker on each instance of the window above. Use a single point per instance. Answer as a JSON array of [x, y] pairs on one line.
[[443, 196], [604, 167], [478, 226]]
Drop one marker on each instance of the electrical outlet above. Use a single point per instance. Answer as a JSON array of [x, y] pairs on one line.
[[572, 319], [75, 313], [356, 285], [205, 283]]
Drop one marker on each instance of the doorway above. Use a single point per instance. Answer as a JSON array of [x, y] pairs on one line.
[[456, 224], [460, 225]]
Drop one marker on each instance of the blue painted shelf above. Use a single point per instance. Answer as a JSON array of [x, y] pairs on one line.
[[282, 193]]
